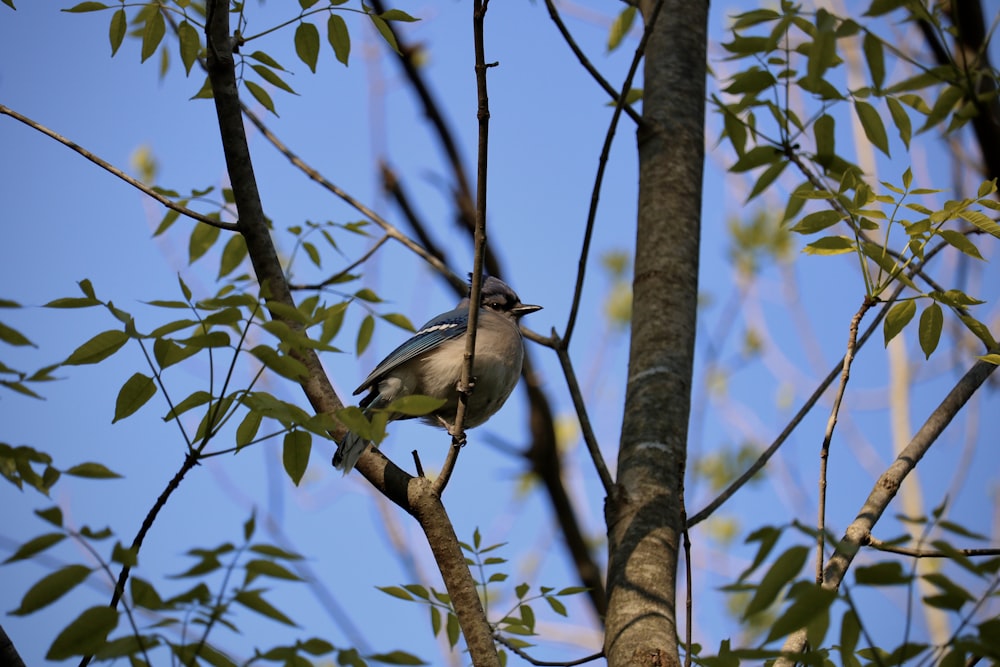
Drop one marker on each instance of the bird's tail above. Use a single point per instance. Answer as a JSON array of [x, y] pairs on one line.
[[349, 451]]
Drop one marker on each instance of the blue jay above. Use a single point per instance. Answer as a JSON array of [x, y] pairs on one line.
[[430, 363]]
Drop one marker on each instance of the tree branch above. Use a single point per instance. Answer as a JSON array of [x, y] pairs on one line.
[[859, 532], [107, 166], [878, 544]]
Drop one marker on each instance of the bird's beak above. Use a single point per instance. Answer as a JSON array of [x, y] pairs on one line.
[[522, 309]]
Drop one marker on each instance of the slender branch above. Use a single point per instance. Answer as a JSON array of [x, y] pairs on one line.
[[888, 484], [107, 166], [587, 65], [389, 229], [831, 424], [465, 385], [595, 193], [545, 663], [346, 270], [580, 406], [878, 544]]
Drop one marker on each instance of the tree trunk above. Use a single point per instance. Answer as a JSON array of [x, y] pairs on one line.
[[645, 512]]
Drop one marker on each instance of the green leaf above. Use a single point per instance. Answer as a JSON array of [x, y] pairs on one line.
[[901, 120], [92, 471], [931, 322], [415, 405], [871, 122], [557, 605], [85, 635], [13, 336], [268, 75], [768, 176], [98, 348], [152, 34], [233, 255], [397, 658], [116, 31], [897, 318], [782, 571], [823, 131], [386, 32], [261, 96], [295, 454], [400, 320], [193, 400], [268, 568], [339, 37], [247, 430], [144, 595], [809, 603], [876, 59], [136, 391], [365, 333], [35, 545], [282, 364], [253, 600], [818, 221], [981, 221], [396, 592], [823, 50], [272, 551], [51, 587], [756, 157], [830, 245], [307, 44], [203, 237], [87, 7], [453, 630], [190, 44], [397, 15], [620, 27], [888, 573]]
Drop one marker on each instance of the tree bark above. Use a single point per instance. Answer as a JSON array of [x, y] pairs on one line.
[[645, 509]]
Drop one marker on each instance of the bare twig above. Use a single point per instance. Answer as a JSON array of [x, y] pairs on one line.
[[388, 228], [589, 438], [145, 189], [545, 663], [824, 454], [343, 272], [878, 544], [465, 386], [585, 62], [595, 193]]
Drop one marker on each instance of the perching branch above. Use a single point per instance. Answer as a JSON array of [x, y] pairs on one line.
[[415, 495], [107, 166]]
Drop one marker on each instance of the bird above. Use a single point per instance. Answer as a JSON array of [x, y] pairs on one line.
[[430, 364]]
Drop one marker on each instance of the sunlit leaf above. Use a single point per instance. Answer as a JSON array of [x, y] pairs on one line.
[[871, 122], [829, 245], [897, 318], [365, 333], [203, 237], [92, 471], [190, 44], [98, 348], [931, 322], [620, 27], [261, 96]]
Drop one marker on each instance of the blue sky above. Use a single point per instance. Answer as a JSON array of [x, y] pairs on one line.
[[64, 220]]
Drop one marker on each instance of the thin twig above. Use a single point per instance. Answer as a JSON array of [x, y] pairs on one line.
[[580, 406], [831, 424], [465, 385], [876, 543], [545, 663], [145, 189], [346, 270], [585, 62], [389, 229], [602, 162]]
